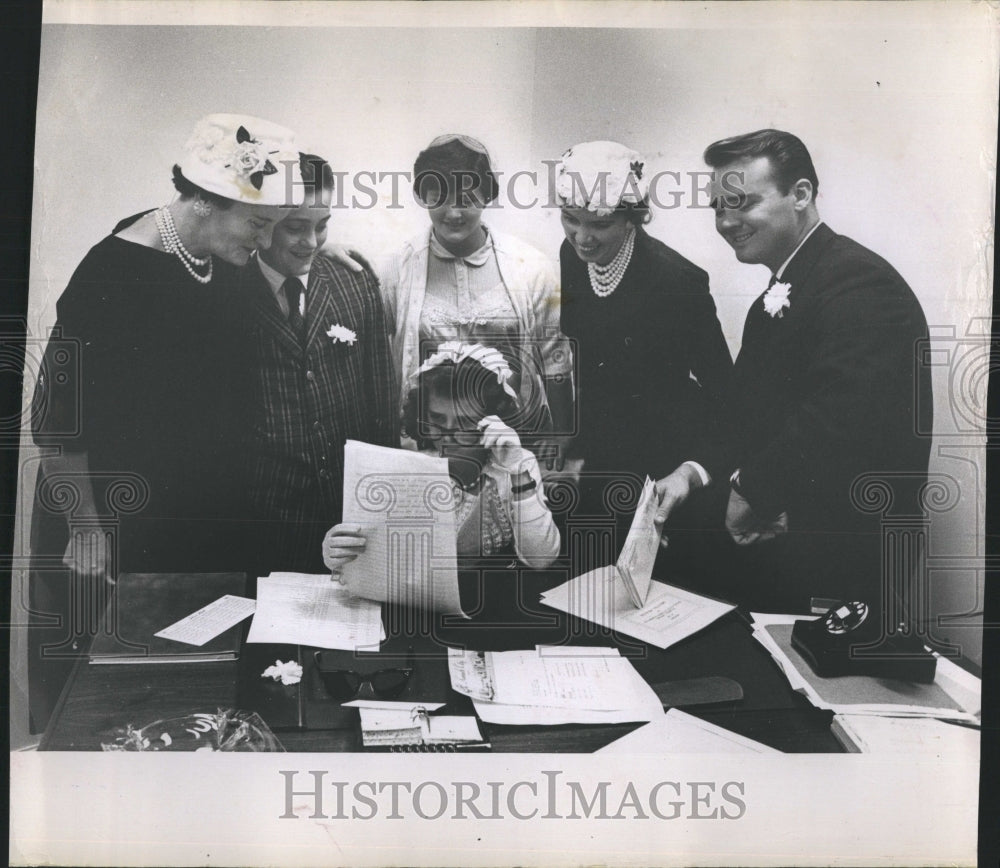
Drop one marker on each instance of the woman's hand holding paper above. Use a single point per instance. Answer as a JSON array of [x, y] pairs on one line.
[[341, 545]]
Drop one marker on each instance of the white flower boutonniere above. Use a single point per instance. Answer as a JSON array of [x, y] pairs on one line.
[[341, 334], [776, 299], [286, 673]]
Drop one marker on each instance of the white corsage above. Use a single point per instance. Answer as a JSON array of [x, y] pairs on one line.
[[286, 673], [341, 334], [776, 299]]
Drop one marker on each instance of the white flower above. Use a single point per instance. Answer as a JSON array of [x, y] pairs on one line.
[[286, 673], [249, 157], [341, 334], [776, 299]]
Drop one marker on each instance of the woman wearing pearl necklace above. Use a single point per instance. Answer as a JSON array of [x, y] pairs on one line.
[[138, 404], [652, 362]]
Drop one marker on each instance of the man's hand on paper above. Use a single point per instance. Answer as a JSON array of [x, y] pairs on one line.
[[672, 491], [341, 545], [745, 527]]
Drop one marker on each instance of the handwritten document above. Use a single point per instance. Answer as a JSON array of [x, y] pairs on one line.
[[668, 615], [302, 609], [404, 504], [545, 686], [209, 621]]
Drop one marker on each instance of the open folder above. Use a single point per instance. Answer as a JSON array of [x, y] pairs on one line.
[[623, 596]]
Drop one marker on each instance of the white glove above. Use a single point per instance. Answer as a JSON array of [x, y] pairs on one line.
[[505, 447]]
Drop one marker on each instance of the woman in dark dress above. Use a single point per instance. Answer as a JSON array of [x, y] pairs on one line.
[[139, 404], [652, 362]]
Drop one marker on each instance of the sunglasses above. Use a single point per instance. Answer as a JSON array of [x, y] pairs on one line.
[[345, 684]]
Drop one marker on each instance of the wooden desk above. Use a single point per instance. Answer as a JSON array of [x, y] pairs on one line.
[[99, 699]]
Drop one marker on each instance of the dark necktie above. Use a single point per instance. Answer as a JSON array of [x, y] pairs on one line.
[[292, 288]]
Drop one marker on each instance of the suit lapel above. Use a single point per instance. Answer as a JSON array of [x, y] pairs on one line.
[[328, 302], [319, 311], [268, 315], [802, 264], [797, 276]]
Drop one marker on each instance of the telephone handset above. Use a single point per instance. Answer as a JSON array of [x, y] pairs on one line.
[[849, 640]]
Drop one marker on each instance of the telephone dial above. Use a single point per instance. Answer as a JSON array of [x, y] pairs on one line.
[[833, 645]]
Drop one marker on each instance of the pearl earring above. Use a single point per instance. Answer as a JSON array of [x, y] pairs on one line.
[[201, 208]]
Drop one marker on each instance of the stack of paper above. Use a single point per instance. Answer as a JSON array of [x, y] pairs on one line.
[[915, 736], [954, 693], [553, 685], [667, 616], [303, 609], [678, 732]]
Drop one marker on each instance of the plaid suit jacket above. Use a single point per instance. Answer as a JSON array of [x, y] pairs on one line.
[[308, 401]]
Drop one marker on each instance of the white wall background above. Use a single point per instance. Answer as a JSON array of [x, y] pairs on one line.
[[900, 121]]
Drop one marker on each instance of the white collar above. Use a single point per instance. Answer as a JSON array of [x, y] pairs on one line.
[[275, 279], [784, 265]]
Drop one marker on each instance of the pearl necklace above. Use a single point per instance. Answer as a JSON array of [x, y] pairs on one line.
[[172, 244], [604, 279]]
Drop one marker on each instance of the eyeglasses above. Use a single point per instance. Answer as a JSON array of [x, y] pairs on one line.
[[344, 684], [469, 436]]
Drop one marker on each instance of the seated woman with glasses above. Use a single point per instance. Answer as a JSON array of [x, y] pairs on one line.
[[456, 407], [459, 281]]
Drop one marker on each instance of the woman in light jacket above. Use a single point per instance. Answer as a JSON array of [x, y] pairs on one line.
[[460, 281]]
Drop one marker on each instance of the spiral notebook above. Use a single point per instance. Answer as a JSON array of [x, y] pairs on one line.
[[404, 727]]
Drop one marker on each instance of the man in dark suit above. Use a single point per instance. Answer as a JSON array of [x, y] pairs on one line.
[[828, 395], [323, 374]]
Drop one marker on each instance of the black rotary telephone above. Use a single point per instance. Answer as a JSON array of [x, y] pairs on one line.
[[834, 645]]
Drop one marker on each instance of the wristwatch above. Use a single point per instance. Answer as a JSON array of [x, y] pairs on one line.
[[521, 489]]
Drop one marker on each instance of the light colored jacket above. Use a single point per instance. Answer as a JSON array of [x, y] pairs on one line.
[[531, 284]]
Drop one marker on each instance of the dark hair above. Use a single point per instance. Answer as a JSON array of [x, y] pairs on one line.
[[442, 170], [190, 190], [636, 214], [789, 158], [473, 388], [317, 177]]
